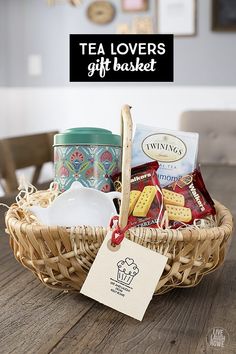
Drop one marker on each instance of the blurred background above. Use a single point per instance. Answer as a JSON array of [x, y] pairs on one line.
[[35, 92]]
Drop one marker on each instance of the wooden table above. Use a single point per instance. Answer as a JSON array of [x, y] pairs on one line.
[[35, 319]]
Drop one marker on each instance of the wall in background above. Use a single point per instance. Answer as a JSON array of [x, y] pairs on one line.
[[34, 28], [33, 104], [31, 110], [3, 44]]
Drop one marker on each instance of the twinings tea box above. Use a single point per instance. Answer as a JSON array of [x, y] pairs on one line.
[[175, 151]]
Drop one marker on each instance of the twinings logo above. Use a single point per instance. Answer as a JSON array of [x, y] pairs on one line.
[[164, 147]]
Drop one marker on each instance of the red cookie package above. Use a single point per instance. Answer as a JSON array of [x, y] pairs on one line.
[[187, 200], [146, 200]]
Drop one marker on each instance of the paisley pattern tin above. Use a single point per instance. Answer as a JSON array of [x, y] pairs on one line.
[[91, 165]]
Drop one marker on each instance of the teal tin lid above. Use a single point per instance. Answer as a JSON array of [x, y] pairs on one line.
[[87, 136]]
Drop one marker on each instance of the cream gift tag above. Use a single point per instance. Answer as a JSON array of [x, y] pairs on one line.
[[124, 277]]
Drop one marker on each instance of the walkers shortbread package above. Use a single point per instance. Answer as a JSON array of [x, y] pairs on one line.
[[175, 151], [187, 200], [146, 207]]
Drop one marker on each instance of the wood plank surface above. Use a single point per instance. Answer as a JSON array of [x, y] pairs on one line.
[[174, 323], [35, 319]]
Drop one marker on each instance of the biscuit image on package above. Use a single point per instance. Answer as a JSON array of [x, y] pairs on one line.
[[134, 196], [178, 213], [173, 198], [144, 202]]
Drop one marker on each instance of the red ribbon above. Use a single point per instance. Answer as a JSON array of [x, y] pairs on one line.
[[117, 234]]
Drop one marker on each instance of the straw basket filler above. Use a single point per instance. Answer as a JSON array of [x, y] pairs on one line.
[[61, 257]]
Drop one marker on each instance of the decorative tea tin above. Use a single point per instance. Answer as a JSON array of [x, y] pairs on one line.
[[87, 155]]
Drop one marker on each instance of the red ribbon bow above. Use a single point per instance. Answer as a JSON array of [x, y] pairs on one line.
[[117, 234]]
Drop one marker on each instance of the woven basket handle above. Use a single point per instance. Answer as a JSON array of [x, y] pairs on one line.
[[126, 133]]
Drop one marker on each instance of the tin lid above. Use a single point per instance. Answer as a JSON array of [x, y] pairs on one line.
[[87, 136]]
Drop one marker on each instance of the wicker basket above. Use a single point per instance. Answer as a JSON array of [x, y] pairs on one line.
[[61, 257]]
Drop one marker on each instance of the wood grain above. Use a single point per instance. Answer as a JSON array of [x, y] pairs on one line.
[[35, 319], [174, 323]]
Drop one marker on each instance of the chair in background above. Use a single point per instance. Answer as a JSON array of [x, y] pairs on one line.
[[21, 152], [217, 135]]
